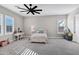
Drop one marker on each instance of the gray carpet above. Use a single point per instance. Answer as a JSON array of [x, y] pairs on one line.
[[53, 47]]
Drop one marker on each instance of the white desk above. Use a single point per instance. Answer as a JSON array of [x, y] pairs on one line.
[[19, 36]]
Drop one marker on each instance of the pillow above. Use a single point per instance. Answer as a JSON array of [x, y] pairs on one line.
[[40, 31]]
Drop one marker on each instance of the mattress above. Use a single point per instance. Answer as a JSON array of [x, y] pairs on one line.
[[39, 37]]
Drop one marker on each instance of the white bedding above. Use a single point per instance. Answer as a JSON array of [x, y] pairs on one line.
[[39, 37]]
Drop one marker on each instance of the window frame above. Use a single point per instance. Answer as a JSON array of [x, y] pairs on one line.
[[7, 33], [58, 28], [1, 25]]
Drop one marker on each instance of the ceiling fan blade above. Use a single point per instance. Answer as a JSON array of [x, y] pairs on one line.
[[23, 11], [26, 6], [20, 8], [33, 13], [34, 7], [28, 12], [38, 10]]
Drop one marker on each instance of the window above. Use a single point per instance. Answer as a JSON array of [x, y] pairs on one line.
[[1, 24], [60, 26], [9, 25]]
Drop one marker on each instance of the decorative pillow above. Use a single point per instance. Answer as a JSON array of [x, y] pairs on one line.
[[40, 30]]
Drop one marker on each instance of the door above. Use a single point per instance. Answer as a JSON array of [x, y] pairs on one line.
[[76, 29]]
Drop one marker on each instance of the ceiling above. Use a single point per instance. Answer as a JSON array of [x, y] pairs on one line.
[[48, 9]]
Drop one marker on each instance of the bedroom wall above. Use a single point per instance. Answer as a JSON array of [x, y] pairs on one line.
[[18, 20], [47, 22], [71, 23], [71, 19]]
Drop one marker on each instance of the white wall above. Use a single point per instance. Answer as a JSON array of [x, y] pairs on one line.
[[18, 20], [71, 23], [70, 20], [48, 22]]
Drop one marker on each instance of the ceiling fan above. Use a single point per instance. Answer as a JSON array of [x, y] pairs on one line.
[[30, 9]]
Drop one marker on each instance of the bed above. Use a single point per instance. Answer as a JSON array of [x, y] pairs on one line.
[[39, 36]]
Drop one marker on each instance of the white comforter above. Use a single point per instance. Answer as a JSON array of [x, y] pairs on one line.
[[39, 37]]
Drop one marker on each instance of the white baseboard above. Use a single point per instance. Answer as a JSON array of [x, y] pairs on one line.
[[55, 37], [49, 37]]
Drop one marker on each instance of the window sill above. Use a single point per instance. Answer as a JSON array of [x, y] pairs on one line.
[[1, 34], [8, 33]]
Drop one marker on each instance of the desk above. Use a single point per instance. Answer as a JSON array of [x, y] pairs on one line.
[[19, 36]]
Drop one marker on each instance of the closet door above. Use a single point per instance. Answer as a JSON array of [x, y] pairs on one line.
[[76, 29]]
